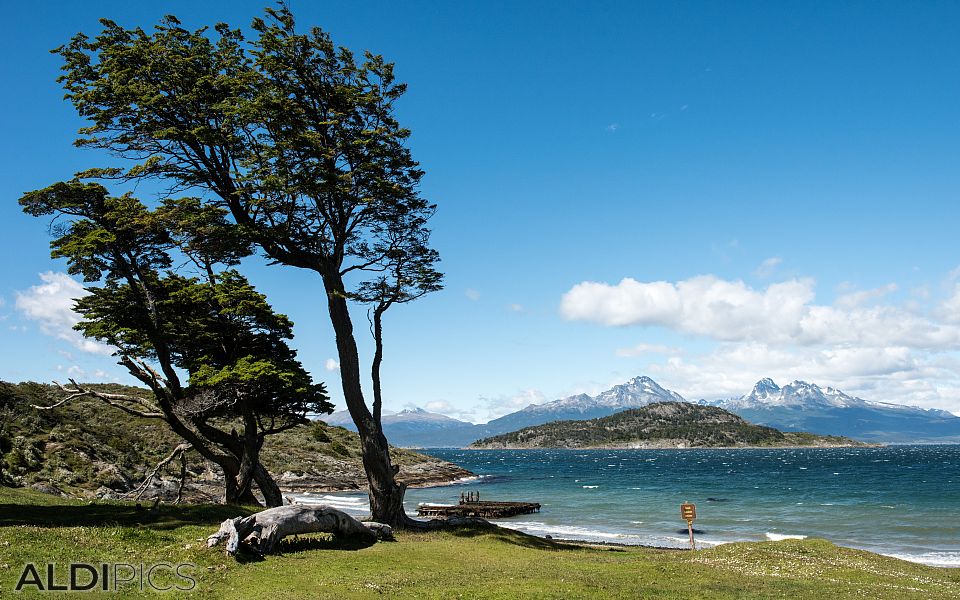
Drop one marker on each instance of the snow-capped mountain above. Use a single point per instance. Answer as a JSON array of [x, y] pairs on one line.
[[639, 391], [416, 428], [798, 406], [423, 429], [798, 394], [802, 406]]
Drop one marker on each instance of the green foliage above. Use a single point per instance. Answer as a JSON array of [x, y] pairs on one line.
[[295, 135], [671, 423], [318, 433], [216, 327]]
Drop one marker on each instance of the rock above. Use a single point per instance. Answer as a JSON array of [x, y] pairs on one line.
[[110, 476], [105, 493], [47, 488]]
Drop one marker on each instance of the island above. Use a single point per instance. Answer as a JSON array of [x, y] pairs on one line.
[[661, 425]]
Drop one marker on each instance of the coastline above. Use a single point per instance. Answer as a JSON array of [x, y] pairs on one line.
[[666, 446]]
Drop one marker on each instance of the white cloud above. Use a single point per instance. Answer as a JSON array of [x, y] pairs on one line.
[[892, 374], [501, 405], [331, 365], [51, 305], [445, 408], [949, 309], [472, 294], [641, 349], [783, 313], [613, 127], [859, 298], [767, 267], [515, 307]]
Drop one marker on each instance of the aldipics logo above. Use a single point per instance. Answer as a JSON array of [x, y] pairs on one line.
[[107, 577]]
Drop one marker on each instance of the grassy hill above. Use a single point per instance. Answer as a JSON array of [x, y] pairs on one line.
[[88, 449], [476, 563], [660, 425]]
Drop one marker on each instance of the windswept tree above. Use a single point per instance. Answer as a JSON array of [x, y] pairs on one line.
[[407, 273], [298, 141], [244, 380]]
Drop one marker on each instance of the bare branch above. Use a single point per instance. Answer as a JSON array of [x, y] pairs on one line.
[[178, 451], [115, 400]]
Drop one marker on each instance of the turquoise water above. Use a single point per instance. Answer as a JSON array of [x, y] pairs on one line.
[[901, 501]]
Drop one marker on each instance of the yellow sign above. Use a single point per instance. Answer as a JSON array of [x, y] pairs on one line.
[[688, 511]]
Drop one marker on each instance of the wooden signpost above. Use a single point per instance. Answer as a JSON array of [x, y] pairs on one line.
[[688, 512]]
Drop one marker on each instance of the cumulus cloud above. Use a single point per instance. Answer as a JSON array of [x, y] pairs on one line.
[[859, 298], [445, 408], [641, 349], [515, 307], [892, 374], [767, 267], [782, 313], [331, 365], [50, 304], [501, 405], [949, 309]]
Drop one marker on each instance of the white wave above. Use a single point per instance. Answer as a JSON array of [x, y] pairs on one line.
[[684, 542], [467, 479], [776, 537], [590, 487], [573, 532], [934, 559], [353, 505], [347, 499]]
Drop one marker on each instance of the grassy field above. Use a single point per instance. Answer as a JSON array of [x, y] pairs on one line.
[[472, 563]]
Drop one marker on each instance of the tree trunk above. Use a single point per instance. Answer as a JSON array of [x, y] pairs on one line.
[[272, 496], [235, 492], [386, 496]]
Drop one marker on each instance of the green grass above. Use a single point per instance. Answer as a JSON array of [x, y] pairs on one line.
[[470, 563]]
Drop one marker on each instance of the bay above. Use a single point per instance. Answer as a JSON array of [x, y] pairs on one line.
[[901, 501]]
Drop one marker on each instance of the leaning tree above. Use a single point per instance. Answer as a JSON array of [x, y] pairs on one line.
[[244, 380], [293, 136]]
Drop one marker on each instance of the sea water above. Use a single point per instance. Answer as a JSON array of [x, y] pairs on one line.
[[902, 501]]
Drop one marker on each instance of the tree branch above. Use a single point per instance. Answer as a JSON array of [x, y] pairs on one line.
[[179, 450], [114, 400]]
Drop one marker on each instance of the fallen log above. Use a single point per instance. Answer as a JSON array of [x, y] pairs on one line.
[[262, 531]]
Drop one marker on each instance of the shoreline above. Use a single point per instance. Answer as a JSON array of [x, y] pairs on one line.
[[676, 447]]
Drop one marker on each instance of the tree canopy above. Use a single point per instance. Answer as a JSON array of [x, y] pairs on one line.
[[213, 326], [297, 140]]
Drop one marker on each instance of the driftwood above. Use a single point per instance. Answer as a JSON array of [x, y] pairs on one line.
[[262, 531]]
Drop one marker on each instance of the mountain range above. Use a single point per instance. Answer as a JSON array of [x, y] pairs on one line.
[[661, 425], [802, 406], [798, 406]]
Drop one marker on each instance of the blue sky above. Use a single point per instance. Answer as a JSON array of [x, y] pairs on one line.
[[707, 193]]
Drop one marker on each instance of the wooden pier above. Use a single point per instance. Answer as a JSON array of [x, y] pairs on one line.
[[471, 506]]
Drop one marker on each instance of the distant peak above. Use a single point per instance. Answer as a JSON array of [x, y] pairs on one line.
[[766, 384], [640, 379], [416, 410]]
